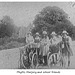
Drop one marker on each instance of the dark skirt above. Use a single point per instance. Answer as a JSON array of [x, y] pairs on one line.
[[54, 49]]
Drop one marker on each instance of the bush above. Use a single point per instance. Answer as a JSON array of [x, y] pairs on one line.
[[1, 47], [13, 44]]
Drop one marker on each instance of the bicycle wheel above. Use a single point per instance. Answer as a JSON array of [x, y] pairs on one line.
[[34, 60], [30, 56], [24, 60], [49, 59], [48, 55]]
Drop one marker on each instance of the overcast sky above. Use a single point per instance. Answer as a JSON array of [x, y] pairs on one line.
[[24, 13]]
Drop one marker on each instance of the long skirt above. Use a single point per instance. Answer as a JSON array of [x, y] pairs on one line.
[[67, 51], [54, 49], [44, 50]]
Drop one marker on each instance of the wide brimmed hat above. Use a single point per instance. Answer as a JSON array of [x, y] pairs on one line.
[[53, 33], [64, 32], [44, 32], [37, 34]]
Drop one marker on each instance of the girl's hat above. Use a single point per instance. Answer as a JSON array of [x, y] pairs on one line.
[[53, 33], [44, 32], [65, 32], [37, 34]]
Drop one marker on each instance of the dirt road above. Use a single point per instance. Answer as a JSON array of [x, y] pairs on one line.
[[9, 59]]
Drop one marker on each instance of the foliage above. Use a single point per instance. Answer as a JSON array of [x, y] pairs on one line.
[[54, 19], [7, 27], [8, 43], [12, 44]]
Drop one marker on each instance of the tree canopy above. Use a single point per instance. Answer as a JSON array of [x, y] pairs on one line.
[[7, 27], [53, 19]]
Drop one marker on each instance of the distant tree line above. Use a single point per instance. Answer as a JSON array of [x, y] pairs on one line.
[[9, 34], [7, 27]]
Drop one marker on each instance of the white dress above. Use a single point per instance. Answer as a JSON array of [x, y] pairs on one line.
[[54, 41], [29, 39], [45, 46]]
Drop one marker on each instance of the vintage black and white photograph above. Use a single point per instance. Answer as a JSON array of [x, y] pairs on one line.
[[37, 35]]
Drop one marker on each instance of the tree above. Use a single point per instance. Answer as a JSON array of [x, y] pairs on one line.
[[53, 19], [7, 27]]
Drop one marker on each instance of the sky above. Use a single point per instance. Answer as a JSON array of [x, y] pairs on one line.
[[23, 13]]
